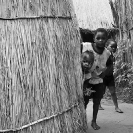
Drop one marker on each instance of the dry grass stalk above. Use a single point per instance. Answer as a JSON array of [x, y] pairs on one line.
[[124, 13], [93, 14], [40, 67]]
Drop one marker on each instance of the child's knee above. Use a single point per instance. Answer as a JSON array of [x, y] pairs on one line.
[[112, 90], [96, 101], [86, 100], [113, 94]]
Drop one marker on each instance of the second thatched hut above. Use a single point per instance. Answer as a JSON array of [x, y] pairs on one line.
[[123, 18], [93, 14]]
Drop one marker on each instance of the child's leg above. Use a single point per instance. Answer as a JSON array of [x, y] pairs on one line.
[[86, 98], [96, 103], [86, 101], [113, 95], [112, 90], [97, 96], [100, 106]]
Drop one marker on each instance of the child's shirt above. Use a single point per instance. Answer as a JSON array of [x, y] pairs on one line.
[[110, 62], [98, 66]]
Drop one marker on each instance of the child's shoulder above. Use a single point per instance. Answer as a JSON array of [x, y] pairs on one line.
[[86, 46]]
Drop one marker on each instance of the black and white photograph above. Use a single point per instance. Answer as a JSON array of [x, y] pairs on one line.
[[66, 66]]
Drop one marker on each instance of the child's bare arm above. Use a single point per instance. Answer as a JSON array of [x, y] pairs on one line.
[[108, 71]]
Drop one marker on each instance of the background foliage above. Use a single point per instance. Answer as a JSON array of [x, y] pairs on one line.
[[123, 72]]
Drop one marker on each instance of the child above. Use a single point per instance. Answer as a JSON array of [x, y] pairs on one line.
[[87, 60], [109, 78], [94, 79]]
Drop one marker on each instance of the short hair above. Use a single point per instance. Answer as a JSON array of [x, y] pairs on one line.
[[110, 40], [101, 30], [87, 54]]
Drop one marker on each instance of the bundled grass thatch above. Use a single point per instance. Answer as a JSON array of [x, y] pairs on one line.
[[40, 80], [93, 14], [123, 16]]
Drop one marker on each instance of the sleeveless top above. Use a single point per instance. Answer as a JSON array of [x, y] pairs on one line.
[[98, 66]]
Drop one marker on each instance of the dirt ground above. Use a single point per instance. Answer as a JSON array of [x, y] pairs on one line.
[[111, 121]]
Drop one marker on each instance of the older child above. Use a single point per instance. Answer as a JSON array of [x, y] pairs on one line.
[[94, 79], [109, 78]]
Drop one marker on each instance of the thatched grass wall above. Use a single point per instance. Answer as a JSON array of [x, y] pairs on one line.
[[93, 14], [123, 17], [40, 80]]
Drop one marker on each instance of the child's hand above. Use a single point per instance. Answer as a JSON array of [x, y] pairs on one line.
[[88, 92], [93, 74], [102, 75]]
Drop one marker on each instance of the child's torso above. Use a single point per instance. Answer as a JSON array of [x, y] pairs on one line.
[[99, 64]]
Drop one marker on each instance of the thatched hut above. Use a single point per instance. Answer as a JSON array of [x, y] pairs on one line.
[[93, 14], [123, 16], [40, 80]]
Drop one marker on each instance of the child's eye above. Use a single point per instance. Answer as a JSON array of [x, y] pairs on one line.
[[102, 38], [84, 61], [98, 38], [114, 47]]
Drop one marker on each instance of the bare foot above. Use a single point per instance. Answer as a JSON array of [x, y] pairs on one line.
[[95, 126], [118, 110]]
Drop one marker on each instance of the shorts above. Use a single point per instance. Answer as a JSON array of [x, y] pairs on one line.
[[109, 81], [98, 88]]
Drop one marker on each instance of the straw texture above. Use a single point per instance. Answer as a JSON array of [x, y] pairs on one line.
[[123, 16], [40, 73], [22, 8], [93, 14]]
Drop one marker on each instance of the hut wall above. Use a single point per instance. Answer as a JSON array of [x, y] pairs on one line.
[[40, 80], [92, 14], [123, 17]]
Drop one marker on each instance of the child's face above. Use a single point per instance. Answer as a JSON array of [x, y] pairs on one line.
[[100, 39], [87, 63], [112, 47]]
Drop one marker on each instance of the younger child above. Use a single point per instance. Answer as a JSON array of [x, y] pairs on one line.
[[109, 78], [87, 60], [94, 77]]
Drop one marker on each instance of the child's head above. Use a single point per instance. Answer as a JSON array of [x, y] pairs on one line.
[[111, 45], [100, 37], [87, 61]]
